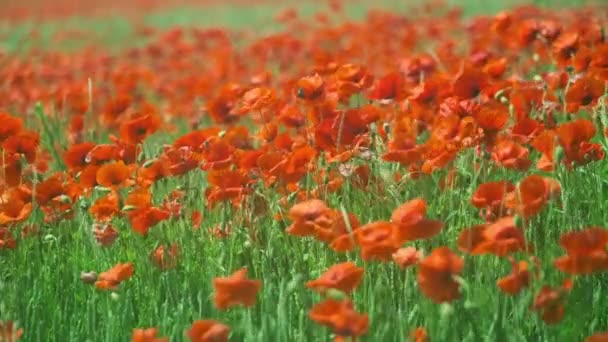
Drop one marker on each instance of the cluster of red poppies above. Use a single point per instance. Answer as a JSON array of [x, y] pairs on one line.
[[305, 112]]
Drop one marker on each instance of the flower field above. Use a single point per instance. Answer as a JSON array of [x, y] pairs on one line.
[[312, 171]]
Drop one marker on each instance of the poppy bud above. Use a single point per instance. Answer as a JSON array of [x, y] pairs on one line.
[[446, 310], [128, 207], [88, 277], [558, 155], [335, 294], [518, 221], [149, 162], [102, 189]]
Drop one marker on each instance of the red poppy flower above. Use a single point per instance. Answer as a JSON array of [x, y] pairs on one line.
[[583, 92], [142, 219], [165, 258], [550, 302], [208, 331], [341, 317], [598, 337], [310, 88], [500, 238], [407, 257], [413, 225], [490, 198], [111, 279], [113, 175], [435, 275], [147, 335], [344, 276], [236, 289], [518, 279], [419, 335], [378, 240], [511, 155], [11, 125], [532, 195], [586, 251], [104, 234]]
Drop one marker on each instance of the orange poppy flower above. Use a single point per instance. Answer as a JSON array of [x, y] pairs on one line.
[[341, 317], [545, 143], [23, 143], [565, 47], [574, 137], [75, 158], [344, 276], [532, 195], [410, 218], [550, 302], [134, 131], [104, 234], [11, 125], [500, 238], [113, 175], [139, 198], [583, 92], [492, 116], [142, 219], [490, 198], [110, 279], [598, 337], [407, 257], [586, 251], [511, 155], [8, 333], [208, 331], [435, 275], [163, 258], [378, 240], [236, 289], [389, 86], [257, 99], [105, 207], [469, 83], [147, 335], [308, 216], [49, 189], [518, 279], [419, 335], [13, 210], [310, 88]]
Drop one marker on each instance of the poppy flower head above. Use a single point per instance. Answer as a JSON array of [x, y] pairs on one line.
[[309, 216], [550, 302], [490, 198], [412, 223], [111, 279], [344, 276], [407, 257], [208, 331], [147, 335], [340, 317], [515, 282], [113, 175], [586, 251], [378, 240], [310, 88], [435, 275], [236, 289], [11, 125]]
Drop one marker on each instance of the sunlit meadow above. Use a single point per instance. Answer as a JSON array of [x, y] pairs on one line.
[[303, 171]]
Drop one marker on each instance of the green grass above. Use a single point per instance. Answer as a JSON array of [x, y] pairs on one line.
[[40, 286]]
